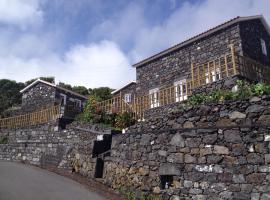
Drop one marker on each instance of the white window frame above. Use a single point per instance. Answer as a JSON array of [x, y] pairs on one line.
[[64, 97], [127, 98], [264, 49], [78, 103], [215, 76], [154, 98], [180, 90]]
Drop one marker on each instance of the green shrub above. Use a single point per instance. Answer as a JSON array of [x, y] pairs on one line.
[[91, 112], [244, 90], [260, 89], [124, 120], [3, 140]]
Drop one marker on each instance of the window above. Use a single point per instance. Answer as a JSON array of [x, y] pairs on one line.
[[263, 44], [180, 90], [78, 103], [154, 99], [127, 98], [215, 76], [63, 98]]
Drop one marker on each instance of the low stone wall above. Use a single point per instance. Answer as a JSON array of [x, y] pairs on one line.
[[46, 146], [215, 151]]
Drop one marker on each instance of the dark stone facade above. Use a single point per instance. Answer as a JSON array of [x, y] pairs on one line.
[[38, 97], [128, 89], [163, 71], [42, 95], [251, 32]]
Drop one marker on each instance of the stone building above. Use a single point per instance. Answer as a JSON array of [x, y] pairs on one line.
[[127, 92], [41, 94], [247, 36]]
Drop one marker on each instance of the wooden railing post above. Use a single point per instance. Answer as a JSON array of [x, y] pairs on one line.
[[233, 59], [192, 74]]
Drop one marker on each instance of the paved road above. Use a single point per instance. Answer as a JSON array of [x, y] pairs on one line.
[[22, 182]]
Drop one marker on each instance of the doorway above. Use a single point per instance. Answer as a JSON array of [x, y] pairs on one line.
[[99, 168]]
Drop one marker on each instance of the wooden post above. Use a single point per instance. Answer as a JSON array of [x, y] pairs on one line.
[[198, 76], [120, 102], [233, 59], [209, 72], [226, 66], [192, 74]]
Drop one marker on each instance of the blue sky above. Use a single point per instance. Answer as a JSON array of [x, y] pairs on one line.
[[95, 42]]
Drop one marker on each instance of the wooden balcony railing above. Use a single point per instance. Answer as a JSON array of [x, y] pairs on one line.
[[223, 67], [31, 119]]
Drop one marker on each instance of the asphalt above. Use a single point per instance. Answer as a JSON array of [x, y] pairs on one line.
[[24, 182]]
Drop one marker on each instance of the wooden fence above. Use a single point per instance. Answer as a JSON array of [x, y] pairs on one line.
[[225, 66], [31, 119]]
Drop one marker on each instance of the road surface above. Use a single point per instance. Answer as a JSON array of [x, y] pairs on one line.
[[23, 182]]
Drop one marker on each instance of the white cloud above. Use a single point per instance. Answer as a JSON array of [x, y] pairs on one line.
[[20, 12], [98, 64], [92, 65], [27, 54], [191, 19]]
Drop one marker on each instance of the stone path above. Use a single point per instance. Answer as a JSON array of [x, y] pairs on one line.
[[23, 182]]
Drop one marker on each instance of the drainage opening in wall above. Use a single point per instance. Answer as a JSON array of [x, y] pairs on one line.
[[166, 181], [99, 168]]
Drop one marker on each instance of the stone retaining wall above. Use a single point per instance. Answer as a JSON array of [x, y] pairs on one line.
[[215, 151], [46, 146]]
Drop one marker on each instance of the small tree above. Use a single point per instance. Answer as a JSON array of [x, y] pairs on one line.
[[91, 111]]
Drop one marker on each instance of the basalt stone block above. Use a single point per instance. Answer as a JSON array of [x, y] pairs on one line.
[[169, 169], [225, 177], [254, 158], [238, 149], [238, 178], [241, 196], [226, 195], [256, 178], [145, 140], [264, 120], [214, 159], [193, 142], [190, 159], [232, 136], [220, 150], [265, 196], [237, 115], [267, 158], [254, 109], [210, 139], [177, 140]]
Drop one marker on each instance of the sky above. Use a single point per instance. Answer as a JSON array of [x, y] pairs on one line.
[[94, 43]]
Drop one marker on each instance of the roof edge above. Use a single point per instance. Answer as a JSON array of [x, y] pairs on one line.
[[202, 35], [115, 91], [53, 85]]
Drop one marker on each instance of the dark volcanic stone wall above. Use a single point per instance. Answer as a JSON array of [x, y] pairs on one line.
[[215, 151], [251, 32], [46, 146], [131, 89], [164, 71], [39, 96]]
